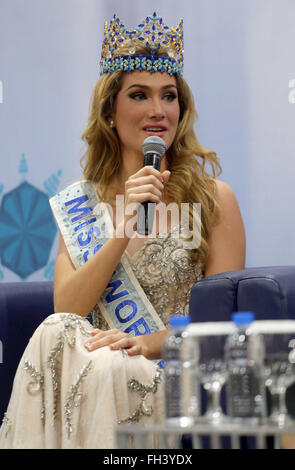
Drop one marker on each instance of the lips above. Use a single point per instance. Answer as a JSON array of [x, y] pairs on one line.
[[155, 129]]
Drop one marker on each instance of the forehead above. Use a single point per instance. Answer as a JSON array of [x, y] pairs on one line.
[[151, 80]]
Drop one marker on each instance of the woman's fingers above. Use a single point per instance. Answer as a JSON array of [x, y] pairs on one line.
[[146, 175], [138, 192], [94, 332], [121, 343], [134, 350], [144, 180], [146, 171], [130, 344], [103, 338], [143, 189], [145, 185], [142, 197], [165, 176], [115, 339]]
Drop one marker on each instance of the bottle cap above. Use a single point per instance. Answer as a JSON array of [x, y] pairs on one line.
[[178, 321], [243, 318]]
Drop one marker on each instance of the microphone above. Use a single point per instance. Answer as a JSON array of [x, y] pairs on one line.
[[153, 149]]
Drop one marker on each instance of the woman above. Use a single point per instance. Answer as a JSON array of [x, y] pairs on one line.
[[78, 382]]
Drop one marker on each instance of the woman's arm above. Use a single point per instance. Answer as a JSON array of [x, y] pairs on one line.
[[78, 290], [227, 243]]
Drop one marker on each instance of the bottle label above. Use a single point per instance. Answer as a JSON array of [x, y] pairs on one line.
[[181, 390], [245, 394], [173, 391]]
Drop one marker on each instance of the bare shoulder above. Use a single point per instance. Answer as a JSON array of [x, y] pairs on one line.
[[223, 187], [224, 193], [227, 201], [227, 241]]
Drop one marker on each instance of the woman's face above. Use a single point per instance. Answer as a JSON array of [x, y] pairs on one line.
[[146, 105]]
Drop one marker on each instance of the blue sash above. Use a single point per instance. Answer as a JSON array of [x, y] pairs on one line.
[[85, 225]]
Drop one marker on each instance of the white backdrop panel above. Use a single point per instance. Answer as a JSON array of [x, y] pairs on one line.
[[239, 64]]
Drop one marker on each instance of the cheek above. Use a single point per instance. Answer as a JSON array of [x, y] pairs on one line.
[[127, 113], [174, 116], [174, 111], [134, 114]]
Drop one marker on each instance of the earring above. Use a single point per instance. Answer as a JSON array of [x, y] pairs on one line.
[[112, 124]]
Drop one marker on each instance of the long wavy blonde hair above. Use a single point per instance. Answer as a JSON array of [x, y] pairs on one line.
[[190, 181]]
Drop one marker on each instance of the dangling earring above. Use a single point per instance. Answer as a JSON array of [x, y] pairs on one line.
[[112, 124]]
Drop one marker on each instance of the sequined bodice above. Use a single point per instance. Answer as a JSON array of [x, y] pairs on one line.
[[166, 273]]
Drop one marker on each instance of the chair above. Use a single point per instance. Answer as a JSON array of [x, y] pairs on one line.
[[267, 291], [23, 306]]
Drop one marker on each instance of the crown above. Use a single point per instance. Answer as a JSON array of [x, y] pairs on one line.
[[154, 35]]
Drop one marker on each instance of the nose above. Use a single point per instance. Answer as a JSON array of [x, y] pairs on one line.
[[156, 109]]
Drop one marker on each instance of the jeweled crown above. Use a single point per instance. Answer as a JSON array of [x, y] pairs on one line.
[[154, 36]]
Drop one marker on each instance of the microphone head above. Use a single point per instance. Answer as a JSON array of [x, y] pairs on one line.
[[154, 144]]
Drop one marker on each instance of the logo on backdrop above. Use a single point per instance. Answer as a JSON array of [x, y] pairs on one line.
[[292, 92], [27, 226]]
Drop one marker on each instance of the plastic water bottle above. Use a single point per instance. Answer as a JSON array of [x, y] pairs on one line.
[[244, 353], [180, 353]]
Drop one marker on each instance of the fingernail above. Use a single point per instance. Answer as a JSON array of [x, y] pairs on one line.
[[88, 346]]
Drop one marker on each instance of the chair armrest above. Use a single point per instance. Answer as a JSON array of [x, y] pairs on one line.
[[267, 291]]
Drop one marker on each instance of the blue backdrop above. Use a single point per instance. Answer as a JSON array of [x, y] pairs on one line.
[[239, 64]]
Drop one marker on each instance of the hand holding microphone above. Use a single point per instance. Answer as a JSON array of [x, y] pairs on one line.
[[145, 187], [153, 149]]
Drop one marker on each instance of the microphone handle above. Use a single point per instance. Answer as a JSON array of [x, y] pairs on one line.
[[152, 159], [146, 210]]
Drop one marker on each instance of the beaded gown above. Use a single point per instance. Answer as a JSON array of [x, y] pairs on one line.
[[67, 397]]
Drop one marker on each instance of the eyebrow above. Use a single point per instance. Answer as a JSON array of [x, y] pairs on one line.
[[147, 87]]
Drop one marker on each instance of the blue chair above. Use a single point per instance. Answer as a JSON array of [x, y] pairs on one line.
[[267, 291], [23, 306]]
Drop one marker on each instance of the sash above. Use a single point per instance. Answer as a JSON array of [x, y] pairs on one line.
[[86, 225]]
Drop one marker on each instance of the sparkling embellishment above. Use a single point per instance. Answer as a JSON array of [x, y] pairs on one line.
[[98, 320], [6, 422], [171, 52], [166, 272], [131, 48], [124, 352], [154, 35], [36, 385], [75, 397], [66, 335], [143, 391]]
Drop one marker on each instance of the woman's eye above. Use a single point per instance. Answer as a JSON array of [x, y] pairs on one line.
[[170, 97], [140, 96], [137, 96]]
